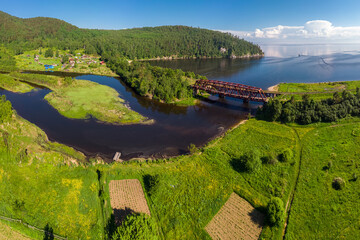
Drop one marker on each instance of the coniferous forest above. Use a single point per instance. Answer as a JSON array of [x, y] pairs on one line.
[[116, 47]]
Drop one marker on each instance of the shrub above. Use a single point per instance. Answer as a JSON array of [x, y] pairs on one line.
[[270, 158], [49, 53], [251, 161], [68, 80], [275, 211], [286, 155], [330, 164], [338, 183], [136, 226], [192, 148], [355, 177]]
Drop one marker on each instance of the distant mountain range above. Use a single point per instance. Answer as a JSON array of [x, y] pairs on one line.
[[21, 34]]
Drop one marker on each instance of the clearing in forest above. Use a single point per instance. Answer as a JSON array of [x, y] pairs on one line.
[[127, 197], [237, 219]]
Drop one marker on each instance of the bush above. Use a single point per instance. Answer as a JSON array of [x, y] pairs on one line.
[[192, 148], [355, 177], [136, 226], [49, 53], [251, 161], [338, 183], [270, 158], [275, 211], [68, 80], [286, 155]]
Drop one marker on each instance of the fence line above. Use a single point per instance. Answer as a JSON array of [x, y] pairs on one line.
[[30, 226]]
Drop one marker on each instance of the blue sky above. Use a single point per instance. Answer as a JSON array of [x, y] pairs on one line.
[[237, 16]]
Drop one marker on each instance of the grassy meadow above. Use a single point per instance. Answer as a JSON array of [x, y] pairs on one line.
[[45, 183], [82, 99], [191, 189], [316, 91], [319, 211]]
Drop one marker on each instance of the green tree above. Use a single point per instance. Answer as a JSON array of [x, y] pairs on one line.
[[65, 59], [286, 155], [136, 226], [251, 161], [275, 211], [49, 53]]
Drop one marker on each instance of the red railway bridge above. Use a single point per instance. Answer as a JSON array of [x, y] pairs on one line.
[[234, 90]]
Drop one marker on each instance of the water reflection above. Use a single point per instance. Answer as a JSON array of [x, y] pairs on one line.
[[174, 130], [282, 63]]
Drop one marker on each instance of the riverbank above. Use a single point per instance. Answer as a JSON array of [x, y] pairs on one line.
[[174, 57], [81, 99]]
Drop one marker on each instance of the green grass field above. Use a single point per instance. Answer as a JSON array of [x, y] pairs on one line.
[[319, 211], [82, 99], [191, 189], [316, 91], [44, 183]]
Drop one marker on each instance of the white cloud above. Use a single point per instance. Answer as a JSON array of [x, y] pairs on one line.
[[316, 30]]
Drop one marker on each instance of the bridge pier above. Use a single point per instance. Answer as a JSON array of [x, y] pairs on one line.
[[221, 96], [196, 91], [245, 100]]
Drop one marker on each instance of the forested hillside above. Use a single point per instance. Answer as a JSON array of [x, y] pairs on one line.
[[141, 43]]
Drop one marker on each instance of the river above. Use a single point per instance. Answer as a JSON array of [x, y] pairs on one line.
[[177, 127]]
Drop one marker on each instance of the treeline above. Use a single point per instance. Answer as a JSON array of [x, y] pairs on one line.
[[140, 43], [309, 111], [155, 82], [7, 60]]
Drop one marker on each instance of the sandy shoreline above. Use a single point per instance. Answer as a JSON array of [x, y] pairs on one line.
[[274, 88]]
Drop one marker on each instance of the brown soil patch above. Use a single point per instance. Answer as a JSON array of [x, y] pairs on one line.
[[6, 233], [237, 219], [127, 197]]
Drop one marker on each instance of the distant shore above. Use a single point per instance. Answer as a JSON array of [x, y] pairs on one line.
[[204, 57]]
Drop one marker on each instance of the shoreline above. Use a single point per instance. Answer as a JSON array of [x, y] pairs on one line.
[[191, 58], [275, 88]]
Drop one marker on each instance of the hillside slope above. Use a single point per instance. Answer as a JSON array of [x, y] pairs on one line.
[[139, 43]]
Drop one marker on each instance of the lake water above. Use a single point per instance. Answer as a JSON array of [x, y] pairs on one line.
[[282, 63], [177, 127]]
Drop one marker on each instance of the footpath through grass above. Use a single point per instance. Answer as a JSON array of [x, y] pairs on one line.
[[319, 211], [81, 99]]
